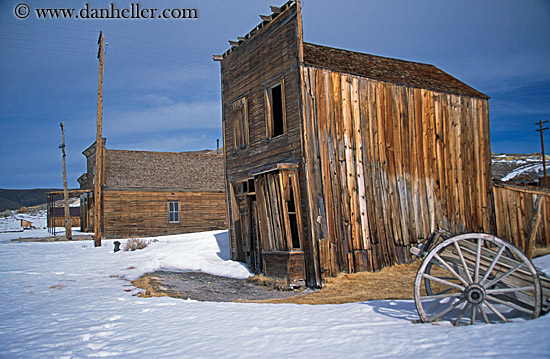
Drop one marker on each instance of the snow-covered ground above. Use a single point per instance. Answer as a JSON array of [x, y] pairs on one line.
[[506, 167], [13, 223], [71, 300]]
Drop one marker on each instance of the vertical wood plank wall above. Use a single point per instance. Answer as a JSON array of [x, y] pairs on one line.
[[268, 57], [514, 210], [138, 213], [387, 165]]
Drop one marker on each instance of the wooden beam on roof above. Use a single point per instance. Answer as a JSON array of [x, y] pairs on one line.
[[233, 43], [241, 38], [217, 57], [275, 9], [265, 17]]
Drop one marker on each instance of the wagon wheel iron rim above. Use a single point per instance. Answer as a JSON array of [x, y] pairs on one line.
[[476, 278]]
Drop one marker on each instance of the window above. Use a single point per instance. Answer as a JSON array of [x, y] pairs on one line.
[[239, 120], [275, 105], [278, 197], [292, 215], [173, 212]]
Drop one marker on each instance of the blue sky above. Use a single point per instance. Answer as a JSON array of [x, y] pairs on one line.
[[162, 89]]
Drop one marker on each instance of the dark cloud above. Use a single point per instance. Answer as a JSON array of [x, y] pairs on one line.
[[162, 90]]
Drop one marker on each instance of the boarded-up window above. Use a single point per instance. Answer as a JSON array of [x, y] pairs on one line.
[[278, 197], [239, 119], [173, 212], [275, 110]]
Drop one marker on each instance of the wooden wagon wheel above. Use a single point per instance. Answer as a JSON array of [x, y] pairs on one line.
[[473, 274]]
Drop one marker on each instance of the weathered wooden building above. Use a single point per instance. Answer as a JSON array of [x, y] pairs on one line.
[[155, 193], [340, 161]]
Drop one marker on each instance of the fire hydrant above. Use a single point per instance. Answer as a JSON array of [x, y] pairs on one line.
[[117, 246]]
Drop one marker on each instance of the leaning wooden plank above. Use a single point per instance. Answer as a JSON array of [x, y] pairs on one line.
[[348, 167], [322, 97], [308, 136], [534, 225], [336, 173], [367, 142], [420, 179], [283, 182], [360, 180]]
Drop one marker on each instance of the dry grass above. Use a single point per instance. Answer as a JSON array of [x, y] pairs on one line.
[[153, 287], [135, 243], [271, 283], [396, 282]]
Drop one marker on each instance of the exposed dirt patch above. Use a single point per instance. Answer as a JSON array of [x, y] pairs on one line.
[[206, 287], [396, 282]]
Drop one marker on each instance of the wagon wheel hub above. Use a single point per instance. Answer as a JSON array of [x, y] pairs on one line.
[[475, 293], [476, 277]]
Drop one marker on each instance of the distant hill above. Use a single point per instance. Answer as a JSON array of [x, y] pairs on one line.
[[17, 198], [506, 167]]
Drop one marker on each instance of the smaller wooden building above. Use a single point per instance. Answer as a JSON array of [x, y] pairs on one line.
[[56, 210], [149, 193]]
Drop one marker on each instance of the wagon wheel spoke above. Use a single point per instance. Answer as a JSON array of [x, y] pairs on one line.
[[461, 315], [477, 278], [443, 281], [446, 291], [478, 260], [510, 290], [503, 276], [494, 310], [509, 304], [447, 310], [483, 314], [493, 263], [441, 296], [461, 256], [450, 269]]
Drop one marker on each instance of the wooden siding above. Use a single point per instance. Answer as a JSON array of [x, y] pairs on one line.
[[268, 57], [387, 165], [516, 213], [289, 265], [141, 213], [60, 221]]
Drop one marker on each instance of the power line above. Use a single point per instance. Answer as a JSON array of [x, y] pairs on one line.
[[26, 24], [41, 49], [160, 56], [155, 44], [133, 59], [43, 42], [42, 35]]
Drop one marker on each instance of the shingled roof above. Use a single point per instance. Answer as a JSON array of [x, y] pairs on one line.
[[163, 170], [386, 69]]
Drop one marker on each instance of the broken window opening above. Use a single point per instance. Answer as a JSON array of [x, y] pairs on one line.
[[277, 111], [292, 219], [276, 117]]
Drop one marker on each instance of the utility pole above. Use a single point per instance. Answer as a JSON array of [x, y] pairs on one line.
[[541, 130], [68, 223], [98, 175]]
